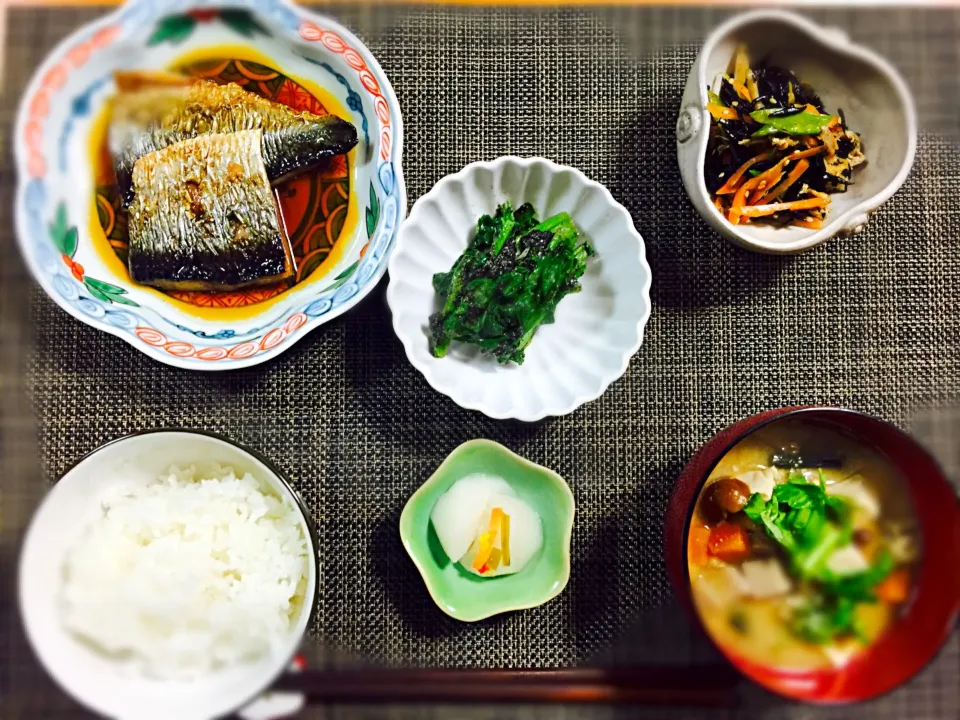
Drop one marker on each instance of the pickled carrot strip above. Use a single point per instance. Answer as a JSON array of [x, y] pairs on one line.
[[487, 540], [483, 552], [494, 562], [505, 539]]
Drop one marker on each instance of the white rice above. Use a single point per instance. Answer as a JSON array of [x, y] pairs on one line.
[[194, 571]]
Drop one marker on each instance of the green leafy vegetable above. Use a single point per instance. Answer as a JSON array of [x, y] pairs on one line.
[[714, 99], [803, 123], [831, 610], [738, 621], [810, 526], [824, 618], [508, 282]]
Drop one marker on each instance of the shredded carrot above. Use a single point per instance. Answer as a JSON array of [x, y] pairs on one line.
[[734, 180], [768, 178], [895, 588], [811, 109], [775, 192], [741, 89], [752, 211], [698, 549], [722, 112], [740, 199]]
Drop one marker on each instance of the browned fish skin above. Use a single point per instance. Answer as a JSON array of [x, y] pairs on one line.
[[204, 217], [154, 117]]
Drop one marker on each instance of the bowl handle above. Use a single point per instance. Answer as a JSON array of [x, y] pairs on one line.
[[856, 224], [688, 123]]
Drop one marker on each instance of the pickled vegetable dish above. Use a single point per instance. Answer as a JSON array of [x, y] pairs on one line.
[[802, 547], [775, 155]]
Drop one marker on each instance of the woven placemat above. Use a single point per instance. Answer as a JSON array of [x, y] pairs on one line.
[[869, 322]]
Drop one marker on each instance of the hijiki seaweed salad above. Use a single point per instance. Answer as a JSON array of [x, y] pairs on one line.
[[775, 155]]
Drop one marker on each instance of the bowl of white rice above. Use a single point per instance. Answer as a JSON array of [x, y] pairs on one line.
[[168, 574]]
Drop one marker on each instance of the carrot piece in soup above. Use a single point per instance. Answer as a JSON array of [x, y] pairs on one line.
[[729, 542], [698, 546], [895, 588]]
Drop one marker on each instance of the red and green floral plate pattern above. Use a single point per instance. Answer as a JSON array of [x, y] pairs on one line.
[[58, 191]]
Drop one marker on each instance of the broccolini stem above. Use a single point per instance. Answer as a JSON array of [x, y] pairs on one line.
[[506, 229], [551, 223]]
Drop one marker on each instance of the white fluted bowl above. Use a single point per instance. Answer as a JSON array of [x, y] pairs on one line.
[[596, 332]]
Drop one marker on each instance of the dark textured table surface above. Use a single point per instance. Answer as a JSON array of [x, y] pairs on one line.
[[870, 322]]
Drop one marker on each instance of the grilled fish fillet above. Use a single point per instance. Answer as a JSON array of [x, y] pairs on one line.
[[156, 115], [204, 217]]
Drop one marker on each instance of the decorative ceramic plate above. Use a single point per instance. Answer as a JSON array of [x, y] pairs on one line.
[[342, 220], [468, 597], [596, 331]]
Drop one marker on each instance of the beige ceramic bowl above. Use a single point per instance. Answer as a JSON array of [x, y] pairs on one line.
[[873, 96]]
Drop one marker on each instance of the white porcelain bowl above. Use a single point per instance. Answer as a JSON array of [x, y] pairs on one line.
[[873, 96], [597, 330], [104, 685]]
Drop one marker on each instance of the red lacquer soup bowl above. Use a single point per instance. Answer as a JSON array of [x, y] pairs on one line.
[[925, 623]]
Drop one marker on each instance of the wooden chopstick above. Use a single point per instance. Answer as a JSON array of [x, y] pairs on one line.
[[697, 686]]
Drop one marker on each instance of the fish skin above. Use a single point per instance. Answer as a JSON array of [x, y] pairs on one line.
[[204, 217], [155, 117]]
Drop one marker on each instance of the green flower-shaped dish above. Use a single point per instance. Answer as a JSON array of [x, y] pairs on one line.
[[463, 595]]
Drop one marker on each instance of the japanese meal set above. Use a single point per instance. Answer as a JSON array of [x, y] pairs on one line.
[[241, 184]]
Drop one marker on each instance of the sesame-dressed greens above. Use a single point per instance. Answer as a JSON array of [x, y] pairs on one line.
[[508, 282]]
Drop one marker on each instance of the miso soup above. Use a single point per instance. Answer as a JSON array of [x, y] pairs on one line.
[[802, 546]]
